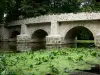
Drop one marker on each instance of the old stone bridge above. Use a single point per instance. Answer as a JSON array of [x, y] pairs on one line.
[[54, 29]]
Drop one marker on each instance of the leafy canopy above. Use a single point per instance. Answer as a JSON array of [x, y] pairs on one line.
[[32, 8]]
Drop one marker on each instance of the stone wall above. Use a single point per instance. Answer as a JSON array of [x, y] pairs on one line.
[[57, 25], [4, 33]]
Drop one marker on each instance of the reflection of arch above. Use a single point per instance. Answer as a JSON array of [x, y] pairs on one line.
[[14, 34], [39, 35], [12, 46], [75, 32], [37, 46]]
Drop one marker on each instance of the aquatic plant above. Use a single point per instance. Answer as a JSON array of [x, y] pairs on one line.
[[58, 62], [3, 68]]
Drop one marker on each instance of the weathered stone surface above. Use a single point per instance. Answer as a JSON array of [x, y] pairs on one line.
[[23, 38], [61, 17], [54, 39], [23, 47], [97, 40], [56, 26]]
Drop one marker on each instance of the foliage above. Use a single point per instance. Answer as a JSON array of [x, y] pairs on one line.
[[3, 68], [34, 8], [57, 62], [90, 6], [5, 7], [30, 8], [15, 12], [85, 34], [19, 9]]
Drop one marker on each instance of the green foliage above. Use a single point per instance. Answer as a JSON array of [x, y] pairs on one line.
[[5, 7], [90, 6], [66, 70], [3, 68], [57, 62], [15, 12], [87, 35], [84, 34], [54, 69], [32, 8]]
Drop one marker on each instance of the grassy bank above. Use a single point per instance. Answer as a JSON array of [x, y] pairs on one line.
[[44, 62], [85, 41]]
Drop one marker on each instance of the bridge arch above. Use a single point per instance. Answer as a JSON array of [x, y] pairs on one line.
[[78, 32], [39, 35], [14, 34]]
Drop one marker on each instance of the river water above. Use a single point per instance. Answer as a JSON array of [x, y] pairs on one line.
[[14, 46]]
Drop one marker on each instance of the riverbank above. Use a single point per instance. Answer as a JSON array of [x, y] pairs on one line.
[[51, 62]]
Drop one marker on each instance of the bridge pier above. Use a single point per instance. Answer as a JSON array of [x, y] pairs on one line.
[[23, 47], [97, 41], [24, 36], [54, 40]]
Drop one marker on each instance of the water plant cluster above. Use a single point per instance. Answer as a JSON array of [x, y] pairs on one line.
[[49, 62]]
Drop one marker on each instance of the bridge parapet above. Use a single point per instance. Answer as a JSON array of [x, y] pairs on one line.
[[58, 17], [78, 16]]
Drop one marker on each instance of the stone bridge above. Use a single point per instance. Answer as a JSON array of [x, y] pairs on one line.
[[53, 29]]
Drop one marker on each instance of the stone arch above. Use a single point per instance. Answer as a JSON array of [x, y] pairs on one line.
[[14, 34], [84, 26], [74, 32], [39, 35]]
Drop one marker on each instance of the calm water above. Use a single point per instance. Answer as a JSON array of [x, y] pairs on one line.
[[14, 46]]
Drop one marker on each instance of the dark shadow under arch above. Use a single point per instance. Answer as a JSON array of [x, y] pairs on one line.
[[39, 36], [14, 34], [78, 33]]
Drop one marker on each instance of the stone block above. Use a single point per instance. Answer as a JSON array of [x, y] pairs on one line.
[[23, 38]]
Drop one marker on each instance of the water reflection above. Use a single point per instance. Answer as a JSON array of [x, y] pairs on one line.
[[37, 46], [23, 47], [86, 45], [14, 46], [8, 46]]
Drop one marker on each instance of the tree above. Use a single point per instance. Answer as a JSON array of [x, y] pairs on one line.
[[5, 6], [33, 8], [90, 6], [15, 12], [30, 8], [85, 34]]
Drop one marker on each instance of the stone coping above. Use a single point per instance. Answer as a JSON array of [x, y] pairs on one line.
[[58, 18]]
